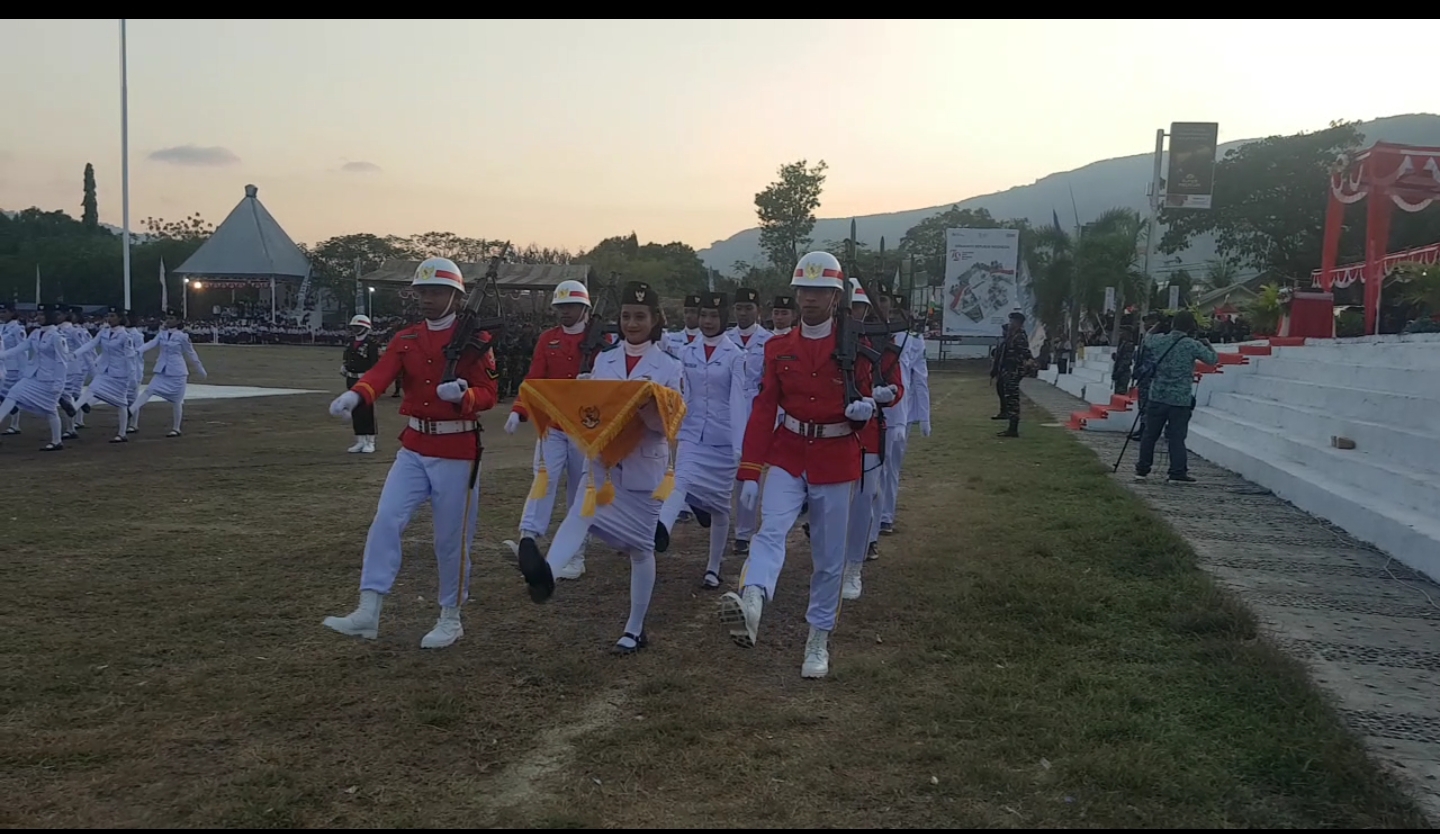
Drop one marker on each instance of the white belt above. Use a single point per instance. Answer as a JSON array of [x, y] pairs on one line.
[[817, 430], [441, 426]]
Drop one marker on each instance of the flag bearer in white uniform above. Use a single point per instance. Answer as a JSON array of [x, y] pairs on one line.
[[750, 337], [439, 456], [40, 390], [558, 355], [709, 448], [12, 334], [75, 337], [913, 410], [171, 375], [111, 381], [630, 522], [675, 341], [813, 454]]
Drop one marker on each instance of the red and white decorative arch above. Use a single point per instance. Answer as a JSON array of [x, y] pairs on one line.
[[1391, 176]]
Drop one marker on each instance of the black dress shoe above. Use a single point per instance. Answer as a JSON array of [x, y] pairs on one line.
[[536, 571]]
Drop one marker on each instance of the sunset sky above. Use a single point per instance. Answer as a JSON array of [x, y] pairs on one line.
[[564, 132]]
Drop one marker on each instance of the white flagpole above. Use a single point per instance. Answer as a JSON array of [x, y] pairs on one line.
[[164, 290], [37, 286], [125, 158]]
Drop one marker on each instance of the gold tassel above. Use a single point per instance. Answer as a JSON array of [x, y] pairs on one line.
[[606, 494], [667, 485], [541, 485], [587, 509]]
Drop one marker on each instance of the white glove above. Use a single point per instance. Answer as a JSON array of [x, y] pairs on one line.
[[452, 392], [925, 429], [860, 410], [749, 493], [512, 422], [583, 376], [885, 394], [344, 404], [203, 374], [900, 433]]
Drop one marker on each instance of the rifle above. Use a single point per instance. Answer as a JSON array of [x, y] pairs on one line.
[[848, 344], [469, 325], [599, 327]]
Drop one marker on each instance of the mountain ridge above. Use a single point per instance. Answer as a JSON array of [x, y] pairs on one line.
[[1098, 187]]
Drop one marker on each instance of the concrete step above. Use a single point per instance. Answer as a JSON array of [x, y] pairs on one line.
[[1398, 484], [1413, 450], [1413, 538], [1415, 410], [1343, 374]]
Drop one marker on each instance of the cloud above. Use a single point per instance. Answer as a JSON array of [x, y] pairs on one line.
[[193, 155], [360, 167]]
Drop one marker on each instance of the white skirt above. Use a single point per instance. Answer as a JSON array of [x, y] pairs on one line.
[[73, 384], [37, 396], [8, 381], [706, 474], [626, 523], [115, 391], [168, 388]]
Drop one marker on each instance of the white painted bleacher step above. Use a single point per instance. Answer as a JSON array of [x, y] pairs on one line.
[[1272, 420]]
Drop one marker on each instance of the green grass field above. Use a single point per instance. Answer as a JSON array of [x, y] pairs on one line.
[[1034, 649]]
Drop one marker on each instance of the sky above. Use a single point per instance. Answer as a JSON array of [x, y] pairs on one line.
[[562, 133]]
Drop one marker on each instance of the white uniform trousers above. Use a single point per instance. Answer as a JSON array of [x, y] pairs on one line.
[[863, 525], [562, 457], [781, 495], [895, 445], [414, 478]]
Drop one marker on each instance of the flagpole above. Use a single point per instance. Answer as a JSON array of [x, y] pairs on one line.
[[125, 158]]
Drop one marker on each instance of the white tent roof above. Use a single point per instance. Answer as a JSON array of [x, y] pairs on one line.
[[249, 243]]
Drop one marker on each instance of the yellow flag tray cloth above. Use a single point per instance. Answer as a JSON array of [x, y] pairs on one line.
[[602, 417]]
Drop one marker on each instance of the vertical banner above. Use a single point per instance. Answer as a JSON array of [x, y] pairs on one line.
[[1174, 298], [1190, 181], [1109, 299], [981, 282]]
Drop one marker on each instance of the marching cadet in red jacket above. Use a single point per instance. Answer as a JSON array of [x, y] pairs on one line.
[[557, 356], [865, 503], [440, 444], [813, 454]]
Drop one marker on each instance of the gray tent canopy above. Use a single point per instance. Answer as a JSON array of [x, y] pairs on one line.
[[249, 243]]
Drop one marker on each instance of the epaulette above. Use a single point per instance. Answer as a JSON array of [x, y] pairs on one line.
[[408, 336]]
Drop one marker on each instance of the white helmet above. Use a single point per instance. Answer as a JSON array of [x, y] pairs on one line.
[[438, 272], [570, 292], [857, 292], [361, 321], [819, 270]]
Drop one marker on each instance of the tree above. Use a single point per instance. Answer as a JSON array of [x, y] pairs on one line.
[[193, 227], [786, 209], [332, 261], [90, 211], [673, 269], [1269, 204]]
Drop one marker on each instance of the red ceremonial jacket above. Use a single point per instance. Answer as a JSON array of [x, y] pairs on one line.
[[417, 355], [802, 378], [870, 439], [557, 356]]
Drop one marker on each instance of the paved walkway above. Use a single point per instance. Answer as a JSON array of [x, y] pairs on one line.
[[1368, 627]]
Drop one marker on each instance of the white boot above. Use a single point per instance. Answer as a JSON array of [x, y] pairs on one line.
[[446, 631], [741, 613], [369, 447], [574, 569], [817, 655], [359, 445], [364, 621], [850, 584]]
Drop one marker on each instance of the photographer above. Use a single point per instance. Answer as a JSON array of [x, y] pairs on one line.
[[1171, 398]]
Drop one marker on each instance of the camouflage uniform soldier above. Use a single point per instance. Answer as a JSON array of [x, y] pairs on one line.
[[1014, 363], [1150, 324]]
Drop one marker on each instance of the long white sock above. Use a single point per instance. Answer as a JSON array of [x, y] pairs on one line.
[[123, 417], [719, 533], [5, 408], [53, 418], [642, 585], [178, 408], [568, 540], [671, 509]]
